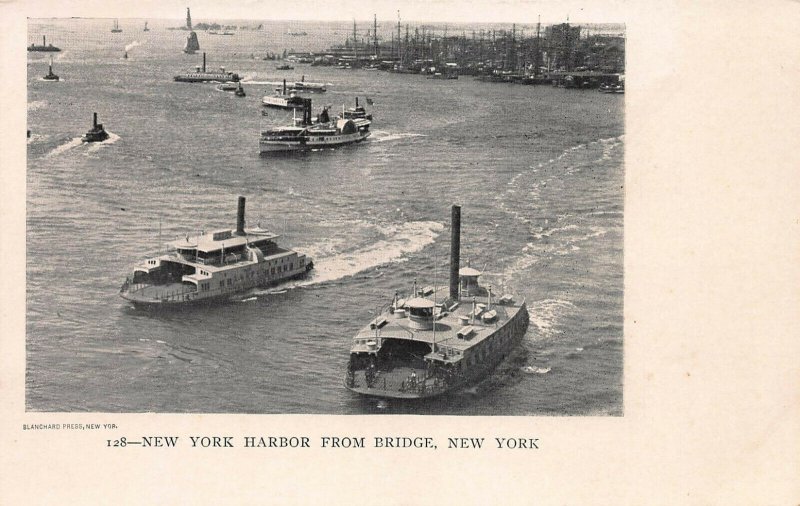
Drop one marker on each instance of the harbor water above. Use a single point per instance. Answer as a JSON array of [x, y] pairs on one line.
[[538, 170]]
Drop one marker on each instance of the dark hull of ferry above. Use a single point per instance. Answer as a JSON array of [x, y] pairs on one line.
[[475, 374], [176, 303], [44, 49], [308, 144], [207, 78]]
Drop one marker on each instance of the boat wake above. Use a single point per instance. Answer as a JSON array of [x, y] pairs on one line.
[[95, 146], [332, 265], [37, 104], [63, 148], [529, 369], [384, 136], [545, 315], [77, 142]]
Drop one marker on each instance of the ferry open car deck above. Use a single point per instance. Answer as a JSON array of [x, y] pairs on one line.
[[439, 339]]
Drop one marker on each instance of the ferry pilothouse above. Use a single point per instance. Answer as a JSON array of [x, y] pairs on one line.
[[214, 265], [323, 132], [430, 343]]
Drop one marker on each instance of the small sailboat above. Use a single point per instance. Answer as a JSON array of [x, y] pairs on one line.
[[50, 76], [116, 28]]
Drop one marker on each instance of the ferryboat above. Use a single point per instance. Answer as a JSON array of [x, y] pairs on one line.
[[45, 47], [50, 75], [97, 133], [430, 343], [283, 100], [200, 75], [214, 266], [350, 127], [304, 86]]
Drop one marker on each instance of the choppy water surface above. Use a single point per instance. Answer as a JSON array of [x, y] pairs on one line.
[[538, 171]]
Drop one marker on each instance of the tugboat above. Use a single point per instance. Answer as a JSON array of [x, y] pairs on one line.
[[283, 100], [145, 27], [240, 91], [425, 346], [201, 76], [46, 48], [96, 134], [352, 126], [212, 266], [50, 76], [285, 66]]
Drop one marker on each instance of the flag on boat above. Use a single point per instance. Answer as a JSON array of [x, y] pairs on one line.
[[369, 101]]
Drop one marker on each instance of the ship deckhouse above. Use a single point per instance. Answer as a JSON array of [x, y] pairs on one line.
[[215, 264]]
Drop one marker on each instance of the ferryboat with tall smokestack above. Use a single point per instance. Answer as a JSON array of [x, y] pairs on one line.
[[45, 47], [97, 133], [201, 75], [323, 132], [283, 99], [429, 343], [213, 266]]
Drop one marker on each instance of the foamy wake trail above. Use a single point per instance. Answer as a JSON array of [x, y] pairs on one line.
[[37, 104], [545, 314], [74, 143], [112, 138], [535, 370], [383, 136], [397, 242]]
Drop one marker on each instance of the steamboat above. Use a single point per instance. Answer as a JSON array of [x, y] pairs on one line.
[[423, 346], [212, 266], [200, 75], [283, 100], [350, 127], [50, 76], [45, 47], [97, 133]]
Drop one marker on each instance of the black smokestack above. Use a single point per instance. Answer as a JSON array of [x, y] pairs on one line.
[[94, 121], [240, 218], [44, 40], [204, 62], [284, 86], [356, 101], [455, 250]]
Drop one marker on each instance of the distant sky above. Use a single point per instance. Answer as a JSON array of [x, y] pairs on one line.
[[496, 11]]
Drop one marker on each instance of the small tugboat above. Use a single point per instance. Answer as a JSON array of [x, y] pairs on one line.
[[351, 127], [45, 48], [283, 100], [50, 76], [212, 266], [285, 66], [116, 28], [200, 75], [96, 134], [424, 346], [240, 91], [145, 27]]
